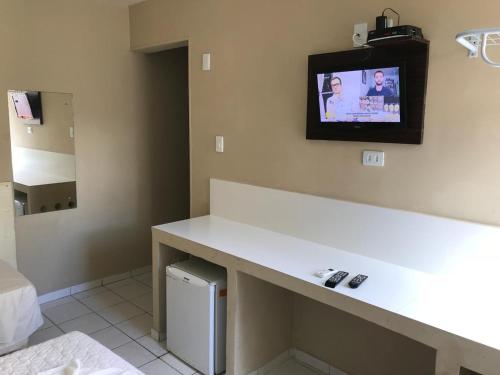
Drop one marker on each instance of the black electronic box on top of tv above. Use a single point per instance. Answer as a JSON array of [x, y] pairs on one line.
[[404, 31]]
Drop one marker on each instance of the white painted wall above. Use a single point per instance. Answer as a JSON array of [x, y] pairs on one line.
[[7, 233]]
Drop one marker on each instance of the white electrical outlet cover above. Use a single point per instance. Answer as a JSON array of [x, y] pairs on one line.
[[360, 36], [219, 143], [373, 158]]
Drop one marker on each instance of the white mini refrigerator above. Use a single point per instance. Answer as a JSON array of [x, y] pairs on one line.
[[196, 314]]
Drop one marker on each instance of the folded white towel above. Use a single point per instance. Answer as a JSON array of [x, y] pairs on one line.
[[74, 367]]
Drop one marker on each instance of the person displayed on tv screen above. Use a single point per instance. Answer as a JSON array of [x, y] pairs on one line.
[[379, 89], [337, 105]]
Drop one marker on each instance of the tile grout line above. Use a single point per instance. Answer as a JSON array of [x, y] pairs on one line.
[[130, 301], [139, 281], [165, 364], [46, 317]]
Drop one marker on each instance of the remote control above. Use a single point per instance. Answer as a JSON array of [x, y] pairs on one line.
[[324, 273], [333, 281], [357, 281]]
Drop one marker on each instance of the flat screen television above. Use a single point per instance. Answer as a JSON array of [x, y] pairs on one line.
[[370, 95], [28, 105]]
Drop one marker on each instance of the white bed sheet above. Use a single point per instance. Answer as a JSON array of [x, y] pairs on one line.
[[20, 314], [60, 351]]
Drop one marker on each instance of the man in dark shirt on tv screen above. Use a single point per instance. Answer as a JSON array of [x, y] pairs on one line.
[[379, 89]]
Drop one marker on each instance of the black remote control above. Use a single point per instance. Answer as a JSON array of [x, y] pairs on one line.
[[337, 277], [357, 281]]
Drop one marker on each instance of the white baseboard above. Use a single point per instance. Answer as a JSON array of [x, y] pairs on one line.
[[52, 296], [115, 278], [142, 270], [61, 293], [318, 366], [85, 286]]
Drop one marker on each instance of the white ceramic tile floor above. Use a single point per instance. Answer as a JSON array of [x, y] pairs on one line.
[[57, 302], [177, 364], [87, 324], [46, 322], [67, 311], [292, 367], [90, 292], [122, 323], [158, 367], [111, 337], [145, 302], [131, 290], [120, 312], [102, 300], [136, 327], [44, 335], [146, 278], [135, 354], [155, 347], [119, 284]]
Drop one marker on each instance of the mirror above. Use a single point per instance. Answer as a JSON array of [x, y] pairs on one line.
[[43, 151]]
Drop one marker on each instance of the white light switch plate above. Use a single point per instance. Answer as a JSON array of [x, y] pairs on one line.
[[219, 143], [373, 158], [205, 66]]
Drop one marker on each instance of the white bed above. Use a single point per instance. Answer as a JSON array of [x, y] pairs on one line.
[[20, 314], [62, 350]]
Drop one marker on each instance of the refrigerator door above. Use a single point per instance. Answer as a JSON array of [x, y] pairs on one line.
[[190, 319]]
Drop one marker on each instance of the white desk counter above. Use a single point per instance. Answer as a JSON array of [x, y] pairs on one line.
[[457, 318], [389, 287], [32, 178]]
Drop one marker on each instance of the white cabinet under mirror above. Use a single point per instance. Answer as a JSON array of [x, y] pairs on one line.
[[43, 151]]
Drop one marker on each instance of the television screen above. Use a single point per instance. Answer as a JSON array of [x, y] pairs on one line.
[[22, 106], [360, 96], [28, 105]]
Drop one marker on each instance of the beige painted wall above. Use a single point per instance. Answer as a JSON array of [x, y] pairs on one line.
[[256, 97], [54, 134], [82, 47], [266, 332], [355, 345]]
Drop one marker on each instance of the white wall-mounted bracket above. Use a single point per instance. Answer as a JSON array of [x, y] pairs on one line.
[[477, 42]]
